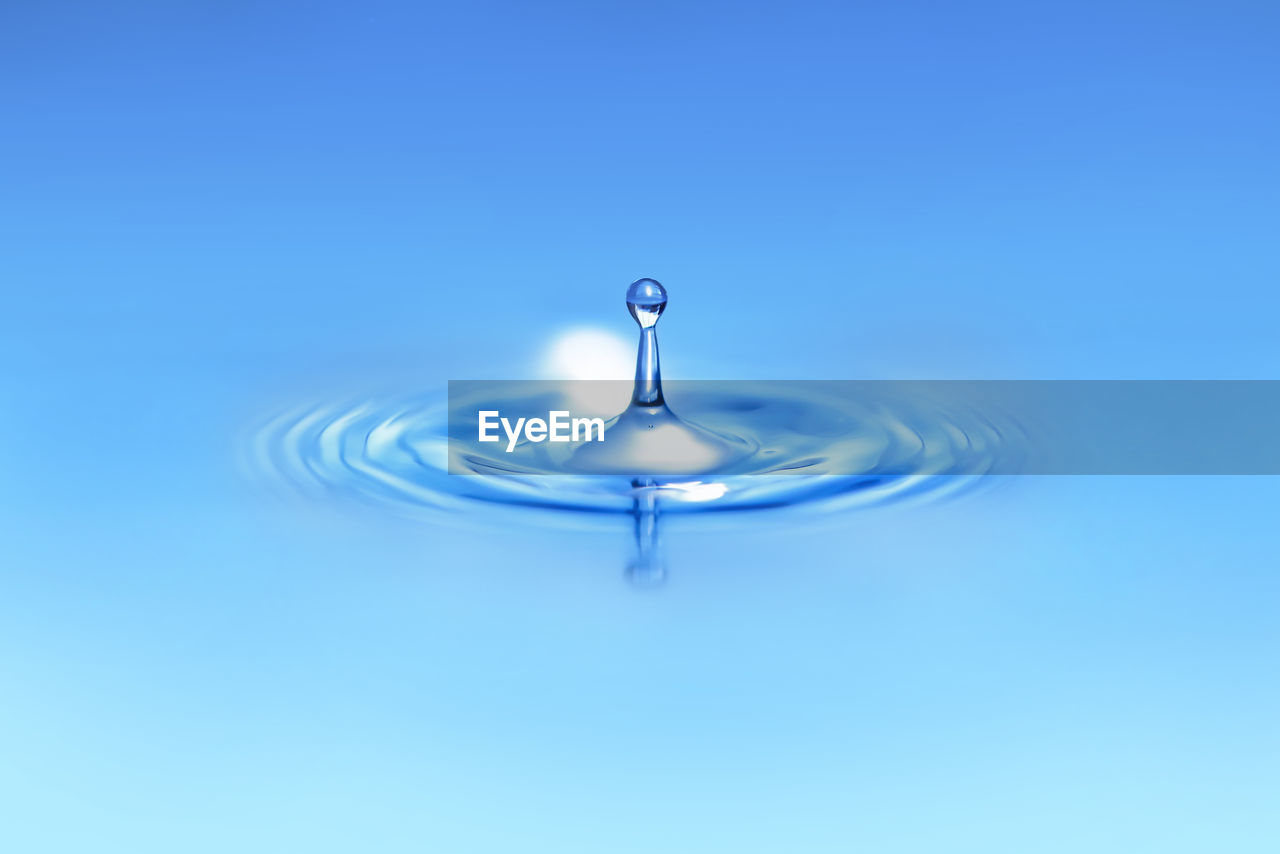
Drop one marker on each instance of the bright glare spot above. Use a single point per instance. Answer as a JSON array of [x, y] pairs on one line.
[[699, 491], [592, 354], [589, 354]]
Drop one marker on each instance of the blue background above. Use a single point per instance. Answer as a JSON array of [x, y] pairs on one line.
[[211, 210]]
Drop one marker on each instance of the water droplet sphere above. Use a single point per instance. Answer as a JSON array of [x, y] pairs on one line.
[[646, 299]]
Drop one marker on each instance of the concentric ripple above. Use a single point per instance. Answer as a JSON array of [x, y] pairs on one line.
[[807, 449]]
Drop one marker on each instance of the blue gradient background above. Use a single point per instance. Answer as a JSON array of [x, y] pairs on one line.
[[210, 210]]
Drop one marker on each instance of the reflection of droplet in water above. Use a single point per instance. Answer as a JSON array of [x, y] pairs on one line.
[[649, 569]]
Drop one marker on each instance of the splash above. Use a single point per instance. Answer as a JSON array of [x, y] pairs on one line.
[[713, 448]]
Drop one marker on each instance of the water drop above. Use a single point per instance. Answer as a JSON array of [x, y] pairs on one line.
[[648, 438], [646, 300]]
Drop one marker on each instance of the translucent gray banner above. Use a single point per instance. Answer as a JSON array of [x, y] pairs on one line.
[[861, 427]]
